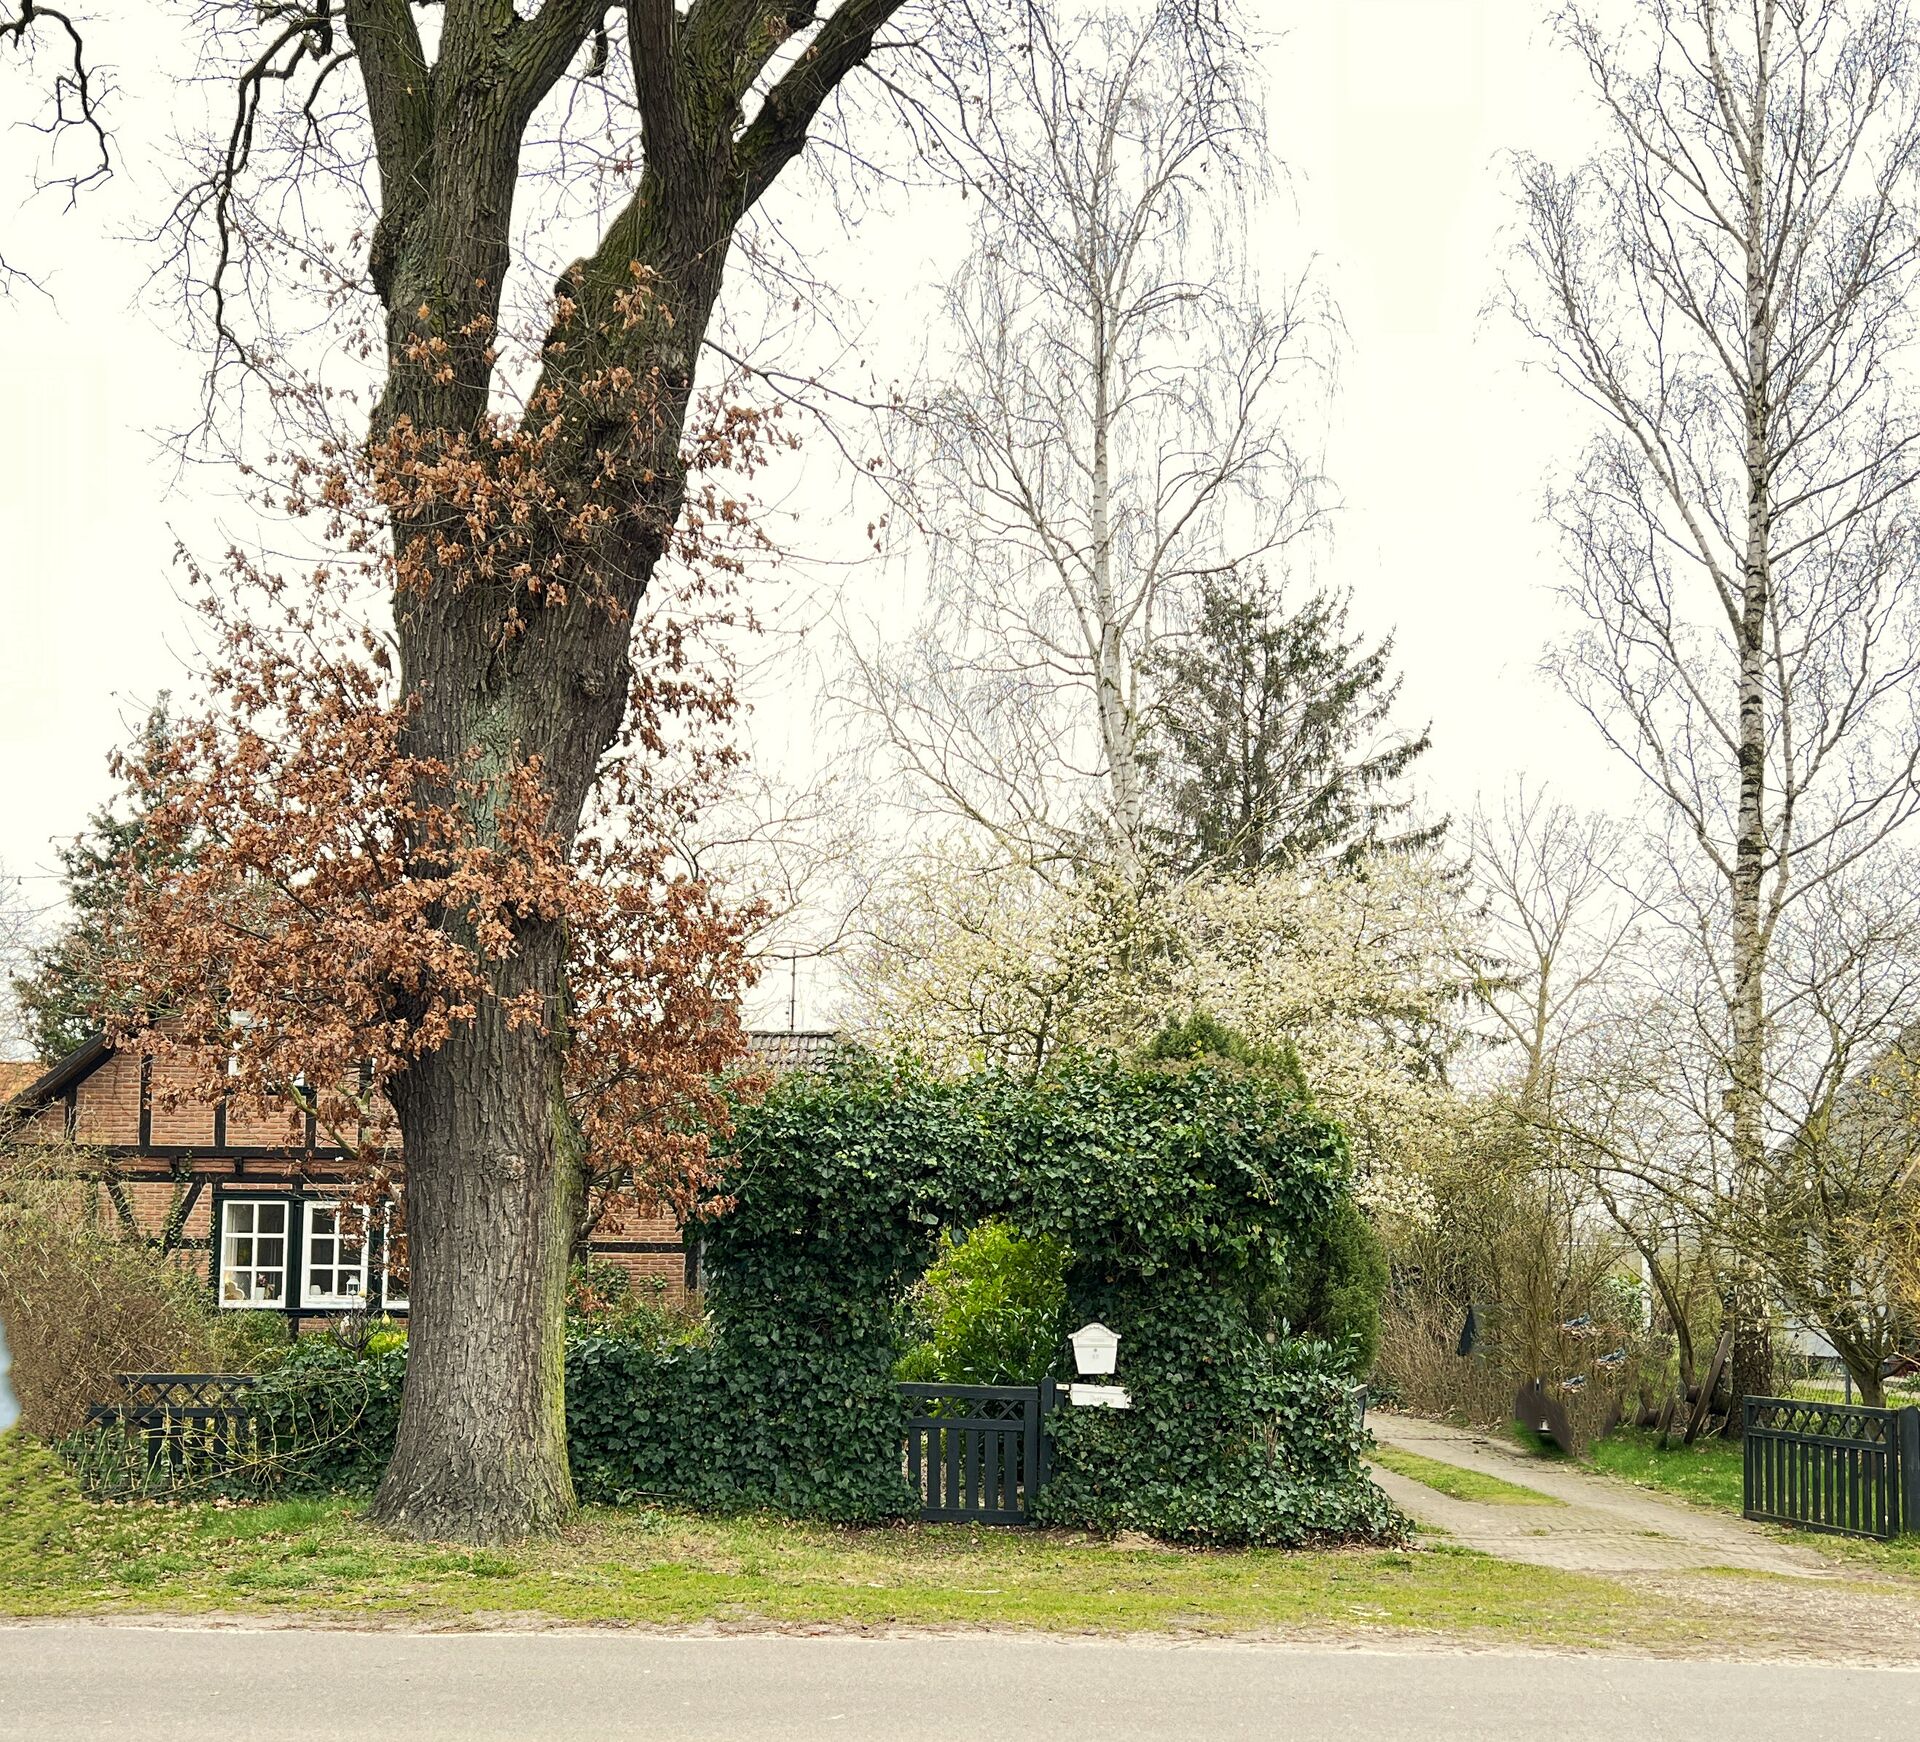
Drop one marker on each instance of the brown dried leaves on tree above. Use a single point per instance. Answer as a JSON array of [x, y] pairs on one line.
[[338, 906]]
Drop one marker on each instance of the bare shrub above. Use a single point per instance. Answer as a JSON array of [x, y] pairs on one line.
[[1419, 1367], [82, 1305], [1553, 1291]]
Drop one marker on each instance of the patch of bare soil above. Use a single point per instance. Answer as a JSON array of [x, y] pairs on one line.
[[1834, 1621]]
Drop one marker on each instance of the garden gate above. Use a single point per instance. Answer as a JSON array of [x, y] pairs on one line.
[[1837, 1467], [976, 1453]]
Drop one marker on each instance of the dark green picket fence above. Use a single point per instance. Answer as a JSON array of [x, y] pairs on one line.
[[172, 1432], [1835, 1467]]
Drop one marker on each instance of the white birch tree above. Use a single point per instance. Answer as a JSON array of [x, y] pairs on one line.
[[1108, 424], [1729, 288]]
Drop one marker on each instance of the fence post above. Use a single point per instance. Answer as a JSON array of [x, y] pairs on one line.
[[1907, 1444], [1048, 1401], [1749, 1460]]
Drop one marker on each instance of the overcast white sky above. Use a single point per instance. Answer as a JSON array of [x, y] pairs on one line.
[[1392, 117]]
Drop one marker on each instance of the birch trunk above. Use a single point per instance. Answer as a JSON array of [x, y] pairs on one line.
[[1752, 1349], [1730, 284]]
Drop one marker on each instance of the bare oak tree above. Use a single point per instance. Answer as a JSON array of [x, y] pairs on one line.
[[1728, 286], [53, 58]]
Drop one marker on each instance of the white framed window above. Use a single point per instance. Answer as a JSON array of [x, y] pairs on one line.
[[253, 1252], [393, 1281], [333, 1255]]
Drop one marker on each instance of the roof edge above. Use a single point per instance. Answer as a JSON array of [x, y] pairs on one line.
[[81, 1063], [90, 1054]]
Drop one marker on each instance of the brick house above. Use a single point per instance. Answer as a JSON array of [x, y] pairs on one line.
[[255, 1203]]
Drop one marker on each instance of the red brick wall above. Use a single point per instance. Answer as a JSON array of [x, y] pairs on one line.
[[181, 1115], [619, 1224], [644, 1269], [152, 1199], [49, 1125], [282, 1127], [108, 1103]]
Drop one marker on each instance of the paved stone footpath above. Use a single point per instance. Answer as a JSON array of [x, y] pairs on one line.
[[1604, 1526]]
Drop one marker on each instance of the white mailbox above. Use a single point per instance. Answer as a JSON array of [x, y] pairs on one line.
[[1095, 1349]]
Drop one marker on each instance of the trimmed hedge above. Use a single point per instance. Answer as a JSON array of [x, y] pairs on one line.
[[1184, 1191]]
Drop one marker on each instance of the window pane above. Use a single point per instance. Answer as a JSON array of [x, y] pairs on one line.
[[253, 1252], [336, 1254]]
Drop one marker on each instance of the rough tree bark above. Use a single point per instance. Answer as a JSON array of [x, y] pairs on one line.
[[495, 680]]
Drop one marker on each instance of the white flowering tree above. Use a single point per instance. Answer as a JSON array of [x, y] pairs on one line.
[[1364, 975]]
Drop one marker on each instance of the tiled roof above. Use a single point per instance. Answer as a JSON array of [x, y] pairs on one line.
[[42, 1082], [15, 1077], [783, 1049]]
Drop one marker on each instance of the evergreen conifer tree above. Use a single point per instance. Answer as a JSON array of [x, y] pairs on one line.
[[62, 997], [1271, 742]]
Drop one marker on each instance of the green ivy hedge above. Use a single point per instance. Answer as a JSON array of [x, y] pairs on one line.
[[1185, 1193]]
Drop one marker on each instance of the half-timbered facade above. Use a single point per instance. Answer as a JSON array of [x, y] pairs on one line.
[[261, 1205]]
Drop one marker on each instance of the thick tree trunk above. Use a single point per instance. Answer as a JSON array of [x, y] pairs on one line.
[[491, 1192], [505, 675]]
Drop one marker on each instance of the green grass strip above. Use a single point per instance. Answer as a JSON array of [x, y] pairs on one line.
[[60, 1555], [1459, 1484]]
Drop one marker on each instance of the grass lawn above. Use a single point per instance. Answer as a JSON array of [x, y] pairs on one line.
[[1706, 1472], [1460, 1484], [60, 1555]]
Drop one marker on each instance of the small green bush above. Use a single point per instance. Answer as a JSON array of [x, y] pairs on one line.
[[991, 1311], [1230, 1442], [641, 1422], [1332, 1289], [1200, 1036], [251, 1342], [604, 1301]]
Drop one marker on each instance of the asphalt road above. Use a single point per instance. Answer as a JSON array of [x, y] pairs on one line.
[[59, 1682]]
